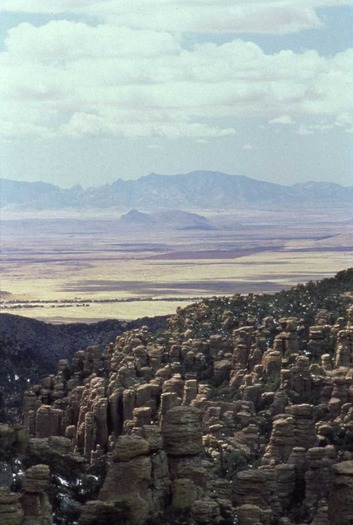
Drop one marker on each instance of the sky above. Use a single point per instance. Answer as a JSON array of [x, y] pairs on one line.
[[96, 90]]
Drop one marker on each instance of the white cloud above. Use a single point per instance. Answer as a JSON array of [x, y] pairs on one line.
[[155, 146], [204, 16], [63, 40], [285, 120], [209, 16], [69, 78]]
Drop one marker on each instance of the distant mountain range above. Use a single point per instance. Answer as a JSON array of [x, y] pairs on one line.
[[195, 190]]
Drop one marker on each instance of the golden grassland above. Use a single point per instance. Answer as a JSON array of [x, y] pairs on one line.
[[86, 269]]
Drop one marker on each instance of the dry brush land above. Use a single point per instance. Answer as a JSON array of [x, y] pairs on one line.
[[87, 268]]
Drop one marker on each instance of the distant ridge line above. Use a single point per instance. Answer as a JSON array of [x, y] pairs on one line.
[[188, 191]]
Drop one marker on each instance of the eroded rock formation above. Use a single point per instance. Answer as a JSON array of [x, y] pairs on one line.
[[225, 418]]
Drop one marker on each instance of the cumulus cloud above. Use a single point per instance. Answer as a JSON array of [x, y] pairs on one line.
[[71, 40], [71, 79]]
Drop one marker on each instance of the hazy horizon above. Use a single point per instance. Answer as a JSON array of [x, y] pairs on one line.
[[98, 183]]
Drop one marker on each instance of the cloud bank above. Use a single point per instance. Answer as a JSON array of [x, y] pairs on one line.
[[246, 16], [129, 73]]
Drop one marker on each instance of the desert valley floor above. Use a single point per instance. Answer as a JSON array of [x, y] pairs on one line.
[[87, 268]]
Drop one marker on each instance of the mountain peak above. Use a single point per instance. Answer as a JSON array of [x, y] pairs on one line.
[[136, 217], [165, 220]]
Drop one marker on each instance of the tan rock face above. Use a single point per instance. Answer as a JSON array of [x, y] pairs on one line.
[[340, 507], [319, 339], [184, 493], [7, 436], [282, 441], [138, 477], [129, 447], [344, 348], [37, 509], [318, 478], [252, 515], [250, 487], [206, 512], [285, 477], [11, 512], [129, 482], [36, 479], [300, 377], [48, 421], [34, 500], [182, 432], [286, 342], [100, 513], [304, 428], [271, 362]]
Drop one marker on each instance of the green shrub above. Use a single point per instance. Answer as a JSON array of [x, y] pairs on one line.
[[232, 462]]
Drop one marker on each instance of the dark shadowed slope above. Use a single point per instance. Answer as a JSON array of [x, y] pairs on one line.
[[30, 349]]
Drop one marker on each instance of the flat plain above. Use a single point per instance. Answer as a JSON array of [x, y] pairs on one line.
[[85, 268]]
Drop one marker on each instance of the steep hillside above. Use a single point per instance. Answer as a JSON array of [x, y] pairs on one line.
[[30, 349]]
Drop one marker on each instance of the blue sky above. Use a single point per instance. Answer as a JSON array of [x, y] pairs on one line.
[[97, 90]]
